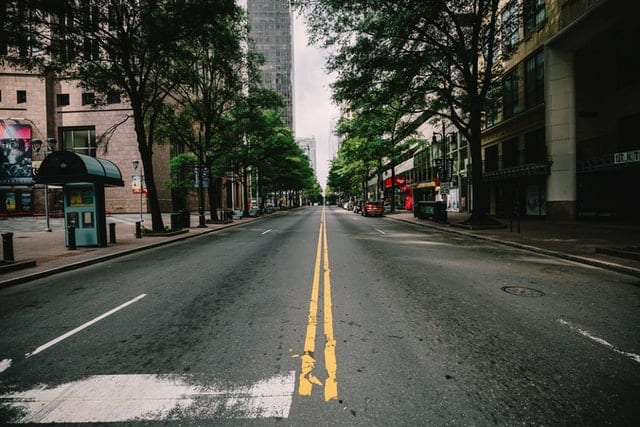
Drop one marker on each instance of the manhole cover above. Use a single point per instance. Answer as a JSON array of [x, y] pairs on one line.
[[522, 291]]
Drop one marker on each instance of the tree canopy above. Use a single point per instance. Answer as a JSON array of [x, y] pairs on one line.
[[435, 59], [134, 49]]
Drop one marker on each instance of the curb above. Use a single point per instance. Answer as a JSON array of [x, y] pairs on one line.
[[100, 258], [581, 260]]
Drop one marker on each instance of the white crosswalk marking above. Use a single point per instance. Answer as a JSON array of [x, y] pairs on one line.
[[126, 398]]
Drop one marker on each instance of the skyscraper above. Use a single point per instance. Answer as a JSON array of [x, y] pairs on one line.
[[271, 30], [308, 145]]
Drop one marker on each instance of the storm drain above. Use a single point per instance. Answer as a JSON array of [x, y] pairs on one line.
[[522, 291]]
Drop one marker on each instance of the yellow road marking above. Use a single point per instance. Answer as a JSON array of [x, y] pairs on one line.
[[307, 378], [331, 383]]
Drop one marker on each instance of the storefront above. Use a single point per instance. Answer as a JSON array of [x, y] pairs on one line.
[[16, 174]]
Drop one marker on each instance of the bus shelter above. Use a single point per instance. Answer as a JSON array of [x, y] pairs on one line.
[[83, 179]]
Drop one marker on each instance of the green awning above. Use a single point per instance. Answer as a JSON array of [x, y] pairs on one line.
[[63, 167]]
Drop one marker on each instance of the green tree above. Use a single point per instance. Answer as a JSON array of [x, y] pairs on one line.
[[181, 170], [247, 124], [438, 56], [115, 47], [214, 73]]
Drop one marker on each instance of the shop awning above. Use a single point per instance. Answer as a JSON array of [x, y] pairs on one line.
[[63, 167], [422, 185], [530, 169]]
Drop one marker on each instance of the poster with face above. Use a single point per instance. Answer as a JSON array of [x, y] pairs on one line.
[[15, 154]]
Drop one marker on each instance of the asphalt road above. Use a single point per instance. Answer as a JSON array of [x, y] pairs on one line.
[[323, 317]]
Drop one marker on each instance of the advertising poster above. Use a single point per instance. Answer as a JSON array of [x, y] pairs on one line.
[[205, 177], [10, 202], [25, 201], [536, 201], [15, 155], [453, 200], [138, 185]]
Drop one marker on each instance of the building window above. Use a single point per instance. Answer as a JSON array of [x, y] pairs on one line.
[[510, 153], [510, 26], [88, 98], [533, 14], [535, 149], [534, 80], [627, 65], [62, 42], [80, 140], [21, 96], [510, 94], [62, 99], [491, 158], [113, 98]]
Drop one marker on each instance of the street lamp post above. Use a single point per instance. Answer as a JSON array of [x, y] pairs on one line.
[[49, 148], [201, 219], [442, 171]]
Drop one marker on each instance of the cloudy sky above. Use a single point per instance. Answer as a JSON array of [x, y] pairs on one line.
[[314, 110]]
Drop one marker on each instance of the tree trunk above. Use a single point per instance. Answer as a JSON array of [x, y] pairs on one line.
[[393, 189], [479, 207], [146, 155], [215, 197], [245, 190]]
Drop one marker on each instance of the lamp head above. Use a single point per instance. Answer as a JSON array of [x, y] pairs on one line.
[[135, 164]]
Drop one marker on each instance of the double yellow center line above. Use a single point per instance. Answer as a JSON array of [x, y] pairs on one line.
[[307, 377]]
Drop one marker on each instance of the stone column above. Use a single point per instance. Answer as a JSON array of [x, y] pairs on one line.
[[560, 119]]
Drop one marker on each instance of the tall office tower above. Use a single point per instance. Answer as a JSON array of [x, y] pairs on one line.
[[271, 29], [308, 145]]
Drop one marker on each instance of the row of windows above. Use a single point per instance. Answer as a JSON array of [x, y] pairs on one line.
[[535, 151], [21, 96], [88, 98], [533, 88], [533, 15], [62, 99]]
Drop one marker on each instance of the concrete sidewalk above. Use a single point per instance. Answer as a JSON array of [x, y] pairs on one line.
[[48, 250], [587, 242]]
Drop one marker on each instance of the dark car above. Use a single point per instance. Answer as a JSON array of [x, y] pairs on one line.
[[373, 208]]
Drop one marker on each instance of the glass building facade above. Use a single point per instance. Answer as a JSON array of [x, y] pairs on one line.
[[271, 30]]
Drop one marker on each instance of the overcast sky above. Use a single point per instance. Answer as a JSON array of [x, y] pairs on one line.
[[314, 110]]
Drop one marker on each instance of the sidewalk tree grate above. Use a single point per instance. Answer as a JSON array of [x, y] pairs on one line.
[[522, 291]]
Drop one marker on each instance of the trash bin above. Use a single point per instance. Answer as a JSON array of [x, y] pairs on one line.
[[7, 246], [434, 211], [112, 232], [425, 209], [175, 221], [440, 213], [185, 215]]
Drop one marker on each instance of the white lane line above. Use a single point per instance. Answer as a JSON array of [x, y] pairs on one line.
[[5, 364], [268, 231], [81, 327], [632, 356], [379, 231], [147, 397]]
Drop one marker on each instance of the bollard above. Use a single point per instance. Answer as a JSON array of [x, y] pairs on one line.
[[175, 221], [71, 236], [7, 246], [138, 230], [112, 232]]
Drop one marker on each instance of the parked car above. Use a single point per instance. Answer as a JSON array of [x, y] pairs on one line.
[[373, 208]]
